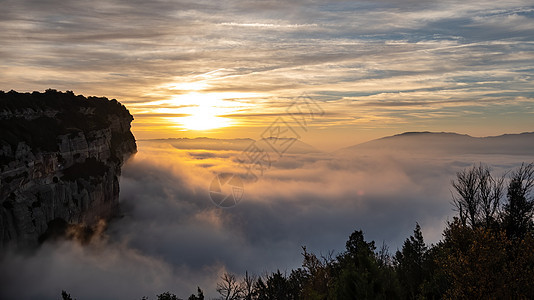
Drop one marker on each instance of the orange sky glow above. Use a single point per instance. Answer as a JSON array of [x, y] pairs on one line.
[[222, 71]]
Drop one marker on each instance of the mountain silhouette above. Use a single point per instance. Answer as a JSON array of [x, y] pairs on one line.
[[449, 143]]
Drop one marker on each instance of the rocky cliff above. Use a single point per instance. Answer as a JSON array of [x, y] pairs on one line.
[[60, 159]]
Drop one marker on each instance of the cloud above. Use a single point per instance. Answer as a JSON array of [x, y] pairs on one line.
[[172, 237], [434, 51], [108, 270], [268, 25]]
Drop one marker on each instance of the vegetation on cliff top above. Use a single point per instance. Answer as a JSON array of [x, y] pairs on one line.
[[39, 118]]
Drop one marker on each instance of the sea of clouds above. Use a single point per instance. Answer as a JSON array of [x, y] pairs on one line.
[[172, 237]]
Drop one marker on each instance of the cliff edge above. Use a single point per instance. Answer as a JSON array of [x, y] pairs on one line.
[[60, 162]]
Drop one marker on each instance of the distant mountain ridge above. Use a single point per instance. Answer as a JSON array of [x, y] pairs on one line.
[[443, 133], [450, 142], [290, 145]]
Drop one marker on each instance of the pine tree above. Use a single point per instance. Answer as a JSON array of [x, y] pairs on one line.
[[409, 263]]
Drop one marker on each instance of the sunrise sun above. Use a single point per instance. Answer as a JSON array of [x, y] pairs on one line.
[[204, 112], [204, 121]]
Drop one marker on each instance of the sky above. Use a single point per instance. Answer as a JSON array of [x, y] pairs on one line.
[[225, 69], [332, 74]]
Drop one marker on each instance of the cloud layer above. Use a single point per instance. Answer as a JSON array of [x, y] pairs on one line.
[[172, 236], [374, 64]]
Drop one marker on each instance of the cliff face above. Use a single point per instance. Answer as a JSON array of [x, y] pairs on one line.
[[60, 159]]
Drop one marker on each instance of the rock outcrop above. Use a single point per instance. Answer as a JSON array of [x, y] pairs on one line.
[[60, 159]]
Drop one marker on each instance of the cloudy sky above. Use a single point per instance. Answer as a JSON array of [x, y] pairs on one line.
[[377, 67], [334, 73]]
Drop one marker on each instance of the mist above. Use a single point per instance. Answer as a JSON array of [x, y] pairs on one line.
[[172, 237]]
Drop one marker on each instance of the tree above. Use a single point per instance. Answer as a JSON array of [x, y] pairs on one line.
[[167, 296], [435, 281], [466, 202], [478, 196], [260, 290], [521, 267], [229, 288], [517, 215], [490, 193], [248, 286], [475, 263], [410, 264], [491, 261], [66, 296], [315, 275], [297, 282], [358, 275], [199, 296], [387, 274], [383, 257], [278, 286]]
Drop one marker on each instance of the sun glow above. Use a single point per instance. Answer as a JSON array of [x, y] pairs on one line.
[[204, 122], [204, 111], [194, 110]]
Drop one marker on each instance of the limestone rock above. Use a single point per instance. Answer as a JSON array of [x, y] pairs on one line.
[[60, 158]]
